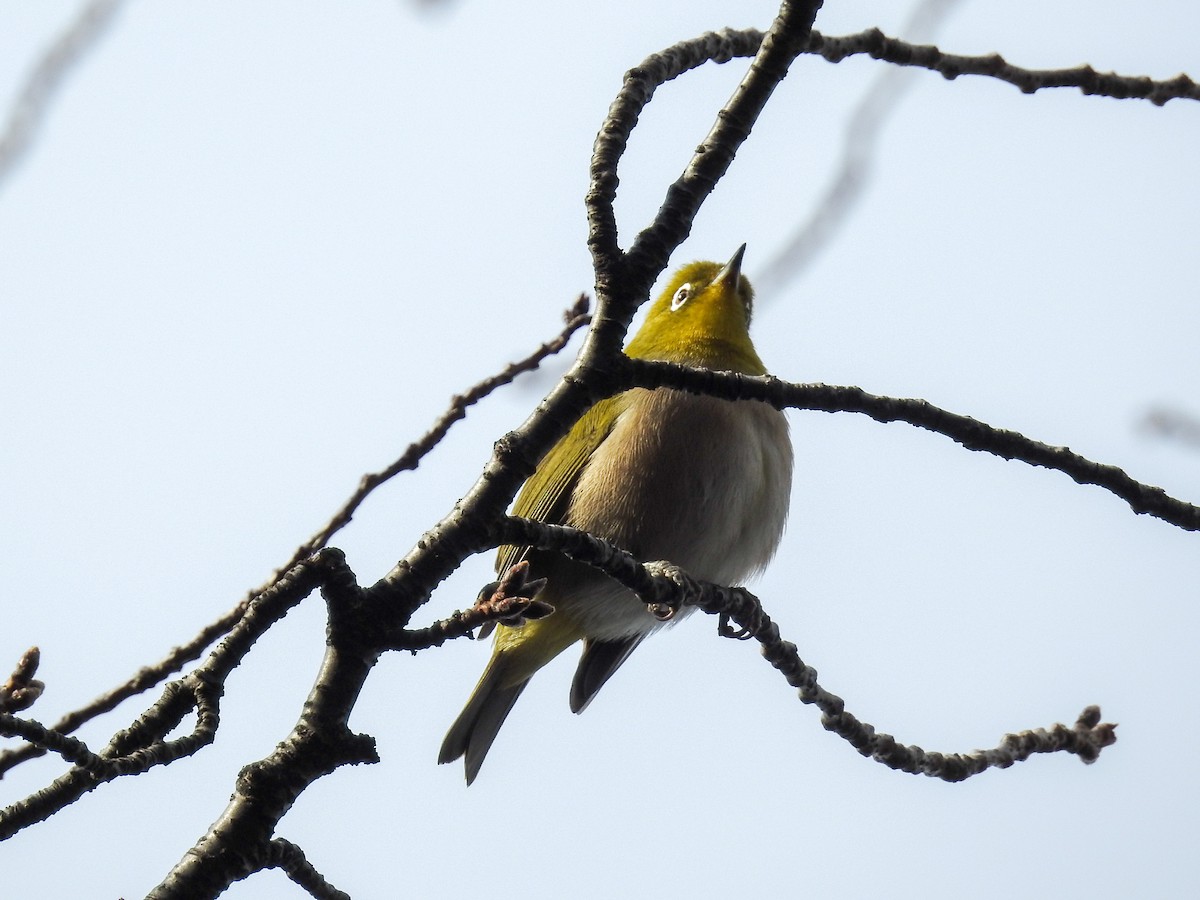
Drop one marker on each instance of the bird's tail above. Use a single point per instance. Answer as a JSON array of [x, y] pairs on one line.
[[519, 652], [476, 727]]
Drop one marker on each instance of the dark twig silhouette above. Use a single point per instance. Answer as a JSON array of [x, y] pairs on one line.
[[46, 79]]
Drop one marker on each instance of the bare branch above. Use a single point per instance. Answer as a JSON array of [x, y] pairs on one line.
[[285, 855], [636, 93], [576, 317], [1085, 740], [860, 144], [650, 252], [125, 755], [665, 587], [33, 101], [623, 281], [320, 743], [145, 679], [143, 745], [877, 45], [70, 749], [783, 42], [971, 433]]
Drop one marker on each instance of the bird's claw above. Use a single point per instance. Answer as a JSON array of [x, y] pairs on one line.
[[663, 612], [752, 619]]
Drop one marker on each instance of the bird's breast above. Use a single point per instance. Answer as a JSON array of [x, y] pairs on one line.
[[696, 480]]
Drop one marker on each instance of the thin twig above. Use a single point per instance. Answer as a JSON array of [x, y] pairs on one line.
[[145, 679], [860, 145], [320, 743], [1085, 740], [33, 102], [636, 93], [877, 45], [285, 855], [665, 587], [783, 42], [144, 745], [576, 317], [971, 433], [72, 750]]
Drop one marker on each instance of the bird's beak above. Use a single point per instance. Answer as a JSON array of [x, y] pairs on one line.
[[728, 276]]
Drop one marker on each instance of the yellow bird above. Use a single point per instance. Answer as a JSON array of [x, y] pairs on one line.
[[665, 474]]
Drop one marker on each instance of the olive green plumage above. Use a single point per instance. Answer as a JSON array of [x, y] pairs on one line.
[[665, 474]]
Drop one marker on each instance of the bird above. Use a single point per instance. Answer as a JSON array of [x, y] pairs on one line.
[[698, 481]]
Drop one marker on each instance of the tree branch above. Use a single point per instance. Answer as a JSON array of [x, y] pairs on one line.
[[665, 587], [1085, 740], [320, 743], [146, 678], [33, 102], [860, 144], [143, 745], [576, 317], [364, 623], [285, 855], [877, 45], [970, 433], [623, 281]]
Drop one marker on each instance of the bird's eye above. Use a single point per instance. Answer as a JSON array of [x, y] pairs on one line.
[[681, 297]]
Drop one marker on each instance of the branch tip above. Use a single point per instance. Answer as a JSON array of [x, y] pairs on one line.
[[22, 690]]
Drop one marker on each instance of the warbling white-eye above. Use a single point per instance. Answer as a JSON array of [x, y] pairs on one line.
[[665, 474]]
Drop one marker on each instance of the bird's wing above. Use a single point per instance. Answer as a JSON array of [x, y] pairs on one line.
[[547, 494]]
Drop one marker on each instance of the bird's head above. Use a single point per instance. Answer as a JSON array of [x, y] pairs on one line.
[[702, 318]]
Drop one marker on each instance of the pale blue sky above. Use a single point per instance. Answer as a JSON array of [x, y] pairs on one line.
[[256, 247]]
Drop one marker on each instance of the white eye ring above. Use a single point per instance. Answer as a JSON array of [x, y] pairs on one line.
[[681, 296]]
